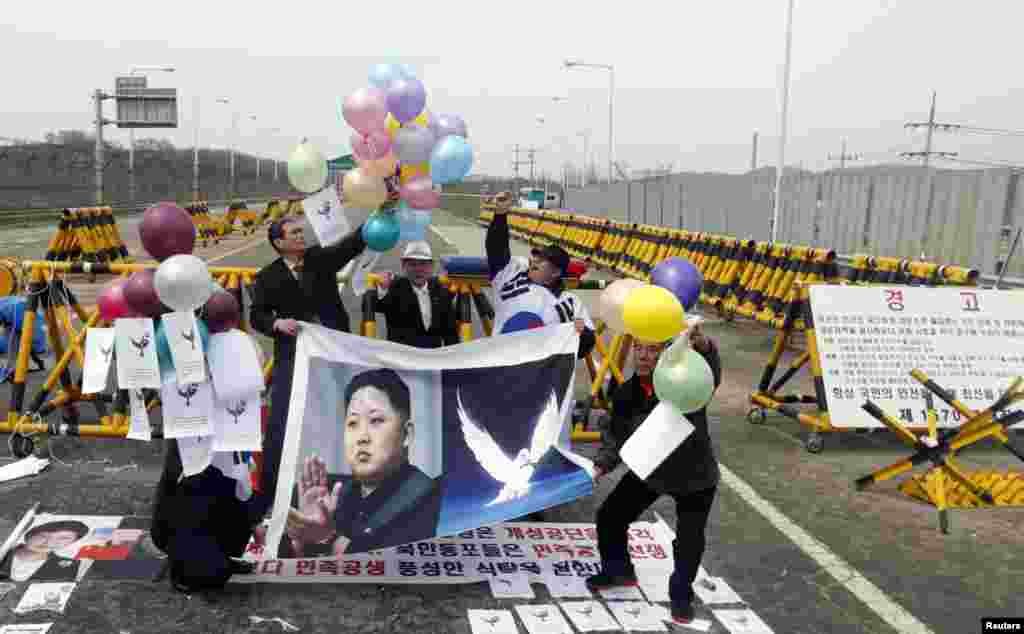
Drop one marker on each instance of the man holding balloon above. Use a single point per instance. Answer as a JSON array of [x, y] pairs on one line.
[[301, 285], [533, 296]]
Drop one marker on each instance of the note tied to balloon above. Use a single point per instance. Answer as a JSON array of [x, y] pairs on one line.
[[186, 346], [99, 352], [139, 428], [186, 409], [235, 366], [326, 214], [660, 434], [135, 347]]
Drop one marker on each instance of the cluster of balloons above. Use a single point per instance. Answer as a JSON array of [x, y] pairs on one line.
[[656, 313], [395, 135], [182, 282]]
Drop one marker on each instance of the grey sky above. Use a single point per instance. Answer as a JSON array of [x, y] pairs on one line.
[[694, 79]]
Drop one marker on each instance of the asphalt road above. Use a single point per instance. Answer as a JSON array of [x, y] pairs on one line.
[[794, 580]]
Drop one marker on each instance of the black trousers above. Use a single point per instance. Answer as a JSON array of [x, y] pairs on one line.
[[273, 440], [631, 497]]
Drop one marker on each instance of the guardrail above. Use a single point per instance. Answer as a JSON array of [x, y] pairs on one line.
[[34, 214]]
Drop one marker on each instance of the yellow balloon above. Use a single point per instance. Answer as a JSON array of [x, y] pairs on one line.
[[652, 314], [364, 190], [382, 167], [410, 172], [422, 119]]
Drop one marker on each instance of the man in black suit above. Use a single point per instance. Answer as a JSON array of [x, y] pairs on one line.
[[301, 285], [418, 309]]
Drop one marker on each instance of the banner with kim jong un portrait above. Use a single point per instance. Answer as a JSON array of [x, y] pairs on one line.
[[388, 444]]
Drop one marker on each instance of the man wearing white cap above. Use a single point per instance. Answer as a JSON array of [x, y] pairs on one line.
[[418, 309]]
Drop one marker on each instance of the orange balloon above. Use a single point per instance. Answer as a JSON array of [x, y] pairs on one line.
[[382, 167], [364, 190]]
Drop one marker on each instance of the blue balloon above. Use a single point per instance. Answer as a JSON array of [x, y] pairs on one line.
[[680, 277], [412, 223], [451, 160], [383, 74], [163, 348], [381, 231]]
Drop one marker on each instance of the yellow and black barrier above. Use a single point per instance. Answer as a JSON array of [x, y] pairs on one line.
[[88, 234]]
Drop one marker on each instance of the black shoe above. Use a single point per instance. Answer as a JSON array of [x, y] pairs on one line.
[[682, 612], [604, 580], [242, 567]]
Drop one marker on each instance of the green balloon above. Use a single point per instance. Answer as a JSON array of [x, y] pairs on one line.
[[307, 168], [683, 378]]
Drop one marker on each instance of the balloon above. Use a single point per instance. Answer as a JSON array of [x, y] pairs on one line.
[[419, 194], [653, 314], [363, 190], [681, 277], [449, 125], [413, 144], [381, 167], [140, 293], [372, 146], [405, 99], [366, 110], [409, 172], [451, 160], [307, 168], [167, 230], [163, 347], [381, 231], [183, 282], [412, 223], [112, 302], [221, 312], [611, 301], [683, 378], [381, 75]]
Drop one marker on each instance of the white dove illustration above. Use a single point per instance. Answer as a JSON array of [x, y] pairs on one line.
[[514, 474]]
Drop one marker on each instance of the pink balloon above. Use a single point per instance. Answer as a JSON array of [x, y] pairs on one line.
[[419, 193], [372, 146], [365, 110], [112, 302]]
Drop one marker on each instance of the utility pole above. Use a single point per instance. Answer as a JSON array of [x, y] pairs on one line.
[[516, 163], [195, 154], [931, 127], [532, 153], [843, 156], [98, 97], [753, 154]]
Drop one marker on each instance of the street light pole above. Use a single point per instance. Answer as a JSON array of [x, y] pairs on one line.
[[611, 112], [784, 115]]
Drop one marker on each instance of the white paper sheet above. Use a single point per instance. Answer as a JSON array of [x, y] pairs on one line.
[[135, 347], [26, 628], [566, 587], [23, 468], [186, 346], [654, 584], [326, 214], [638, 616], [742, 622], [187, 409], [99, 353], [196, 454], [236, 424], [138, 427], [664, 429], [492, 622], [622, 593], [715, 591], [589, 616], [52, 597], [511, 587], [543, 619], [361, 268], [235, 366]]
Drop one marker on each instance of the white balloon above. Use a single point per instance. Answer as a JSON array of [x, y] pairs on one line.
[[612, 299], [413, 144], [183, 282]]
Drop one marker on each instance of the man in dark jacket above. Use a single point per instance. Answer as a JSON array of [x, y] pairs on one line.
[[301, 285], [419, 309], [689, 475]]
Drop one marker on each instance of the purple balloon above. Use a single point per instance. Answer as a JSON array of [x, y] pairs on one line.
[[140, 293], [449, 125], [406, 99], [167, 230], [681, 278], [221, 312]]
